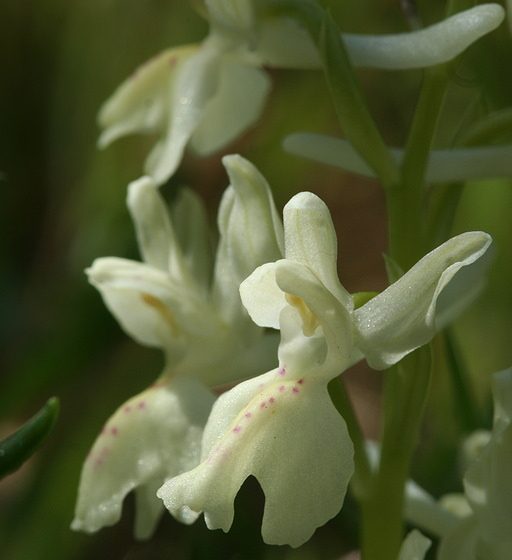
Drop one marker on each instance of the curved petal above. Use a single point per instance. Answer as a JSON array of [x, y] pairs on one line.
[[282, 434], [155, 235], [140, 104], [147, 304], [262, 297], [284, 44], [414, 547], [310, 239], [433, 45], [403, 317], [329, 349], [152, 437], [195, 84], [251, 233], [193, 232], [237, 105]]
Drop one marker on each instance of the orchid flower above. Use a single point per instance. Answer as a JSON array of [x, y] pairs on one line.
[[204, 96], [282, 427], [487, 531], [176, 302]]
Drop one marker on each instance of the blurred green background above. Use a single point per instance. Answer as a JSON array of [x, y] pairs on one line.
[[62, 205]]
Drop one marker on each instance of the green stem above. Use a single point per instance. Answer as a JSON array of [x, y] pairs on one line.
[[354, 117], [363, 473], [406, 389], [406, 199]]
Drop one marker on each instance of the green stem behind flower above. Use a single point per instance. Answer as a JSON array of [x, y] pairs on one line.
[[363, 473], [406, 389], [406, 199]]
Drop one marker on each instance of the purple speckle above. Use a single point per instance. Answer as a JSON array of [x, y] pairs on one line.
[[263, 405], [296, 390], [127, 409], [141, 405], [272, 400], [237, 429], [114, 431], [248, 414], [281, 371], [282, 388]]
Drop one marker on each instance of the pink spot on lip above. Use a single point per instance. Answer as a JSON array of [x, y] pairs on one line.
[[272, 400], [263, 405], [282, 388], [296, 390], [237, 429], [281, 371], [127, 409], [141, 405], [114, 431], [248, 414]]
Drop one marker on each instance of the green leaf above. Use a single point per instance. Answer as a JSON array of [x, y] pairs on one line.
[[18, 447]]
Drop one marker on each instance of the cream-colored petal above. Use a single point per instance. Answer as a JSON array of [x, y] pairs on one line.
[[148, 510], [195, 84], [262, 297], [237, 105], [319, 333], [281, 432], [193, 231], [140, 104], [403, 317], [251, 234], [155, 235], [150, 307], [433, 45], [310, 239], [414, 547], [150, 438], [282, 43]]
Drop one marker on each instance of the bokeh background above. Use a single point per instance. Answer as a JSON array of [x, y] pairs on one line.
[[62, 204]]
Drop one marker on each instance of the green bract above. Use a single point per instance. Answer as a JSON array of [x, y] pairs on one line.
[[176, 301], [444, 166]]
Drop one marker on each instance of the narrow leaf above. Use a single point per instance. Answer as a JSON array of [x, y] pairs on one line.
[[19, 446]]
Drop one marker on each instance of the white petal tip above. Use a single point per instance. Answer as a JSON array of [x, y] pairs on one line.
[[305, 201], [138, 189]]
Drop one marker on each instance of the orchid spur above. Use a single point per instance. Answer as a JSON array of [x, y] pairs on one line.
[[176, 302], [282, 426], [204, 96]]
